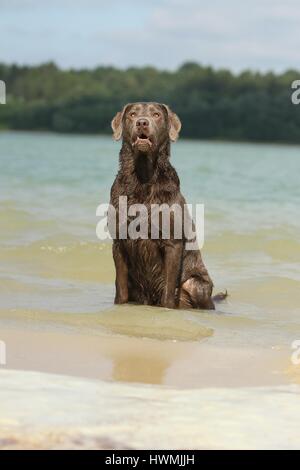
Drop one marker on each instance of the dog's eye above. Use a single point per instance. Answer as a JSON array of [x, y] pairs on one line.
[[156, 115], [133, 114]]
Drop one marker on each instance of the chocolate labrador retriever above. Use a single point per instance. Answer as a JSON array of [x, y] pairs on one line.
[[153, 271]]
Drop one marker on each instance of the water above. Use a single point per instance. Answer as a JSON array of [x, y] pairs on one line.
[[57, 288], [50, 186], [51, 260]]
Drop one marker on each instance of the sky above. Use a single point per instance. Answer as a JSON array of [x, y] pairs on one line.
[[257, 34]]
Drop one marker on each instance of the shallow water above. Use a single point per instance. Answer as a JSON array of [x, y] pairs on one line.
[[57, 288], [51, 261]]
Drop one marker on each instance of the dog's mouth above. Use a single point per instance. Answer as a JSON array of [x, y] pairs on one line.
[[142, 142]]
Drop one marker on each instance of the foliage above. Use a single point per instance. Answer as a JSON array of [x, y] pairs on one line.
[[212, 104]]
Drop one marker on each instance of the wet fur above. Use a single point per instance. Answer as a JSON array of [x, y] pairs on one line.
[[155, 272]]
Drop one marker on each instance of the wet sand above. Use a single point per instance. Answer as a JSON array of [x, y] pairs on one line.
[[182, 364], [184, 379], [196, 348], [204, 379]]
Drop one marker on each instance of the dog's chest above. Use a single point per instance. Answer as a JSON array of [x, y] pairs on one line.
[[146, 261]]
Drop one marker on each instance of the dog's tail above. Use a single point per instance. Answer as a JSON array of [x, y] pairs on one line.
[[220, 296]]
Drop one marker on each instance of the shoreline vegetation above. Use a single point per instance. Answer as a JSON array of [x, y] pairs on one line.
[[212, 104]]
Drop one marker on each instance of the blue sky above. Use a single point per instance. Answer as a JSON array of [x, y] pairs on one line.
[[257, 34]]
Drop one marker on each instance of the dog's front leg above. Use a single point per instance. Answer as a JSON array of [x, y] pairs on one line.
[[172, 266], [121, 296]]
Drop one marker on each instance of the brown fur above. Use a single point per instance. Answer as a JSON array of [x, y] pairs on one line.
[[153, 272]]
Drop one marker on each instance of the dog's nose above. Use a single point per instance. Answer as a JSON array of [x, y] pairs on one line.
[[142, 123]]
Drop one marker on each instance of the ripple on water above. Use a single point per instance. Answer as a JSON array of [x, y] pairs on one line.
[[157, 323]]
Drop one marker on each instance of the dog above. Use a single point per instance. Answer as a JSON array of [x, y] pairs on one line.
[[158, 272]]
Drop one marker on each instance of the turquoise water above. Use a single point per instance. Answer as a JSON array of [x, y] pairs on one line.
[[62, 179], [51, 185]]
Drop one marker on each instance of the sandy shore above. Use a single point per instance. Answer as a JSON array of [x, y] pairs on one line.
[[57, 412], [143, 360], [154, 346], [184, 379]]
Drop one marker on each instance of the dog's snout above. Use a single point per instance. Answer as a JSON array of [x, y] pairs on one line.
[[142, 123]]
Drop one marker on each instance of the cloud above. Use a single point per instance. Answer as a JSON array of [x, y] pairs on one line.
[[259, 34]]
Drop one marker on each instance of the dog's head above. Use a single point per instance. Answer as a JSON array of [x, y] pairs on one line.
[[146, 126]]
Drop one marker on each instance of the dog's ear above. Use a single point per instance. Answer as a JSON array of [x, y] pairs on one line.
[[117, 123], [174, 124]]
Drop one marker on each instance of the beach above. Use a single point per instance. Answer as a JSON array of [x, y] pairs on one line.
[[83, 373]]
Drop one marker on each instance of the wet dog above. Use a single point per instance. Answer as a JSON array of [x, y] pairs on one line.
[[154, 271]]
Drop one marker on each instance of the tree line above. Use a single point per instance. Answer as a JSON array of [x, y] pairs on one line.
[[212, 104]]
